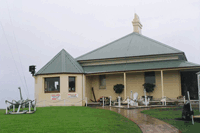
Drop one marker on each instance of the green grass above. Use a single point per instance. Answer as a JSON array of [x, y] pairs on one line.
[[67, 120], [169, 114]]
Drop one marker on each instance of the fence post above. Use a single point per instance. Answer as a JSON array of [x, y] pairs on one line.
[[184, 99], [145, 97], [103, 101], [128, 101], [145, 100], [119, 104], [190, 107], [29, 106], [86, 101], [163, 102], [110, 100]]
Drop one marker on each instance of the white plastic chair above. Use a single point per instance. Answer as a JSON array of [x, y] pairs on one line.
[[135, 99], [135, 96]]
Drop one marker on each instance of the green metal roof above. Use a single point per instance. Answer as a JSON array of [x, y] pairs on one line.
[[139, 66], [63, 62], [133, 44]]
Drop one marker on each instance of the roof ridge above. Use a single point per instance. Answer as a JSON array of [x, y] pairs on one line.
[[63, 55], [160, 43], [44, 67], [112, 44], [73, 64], [63, 59], [72, 60], [103, 46], [128, 46], [192, 63]]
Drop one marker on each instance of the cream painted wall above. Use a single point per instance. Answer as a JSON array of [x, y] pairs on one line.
[[88, 88], [172, 84], [157, 93], [41, 96], [134, 81], [111, 80]]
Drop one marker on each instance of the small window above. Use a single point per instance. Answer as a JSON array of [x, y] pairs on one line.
[[72, 84], [150, 77], [52, 85], [102, 80]]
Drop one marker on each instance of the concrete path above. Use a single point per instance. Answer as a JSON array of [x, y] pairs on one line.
[[146, 123]]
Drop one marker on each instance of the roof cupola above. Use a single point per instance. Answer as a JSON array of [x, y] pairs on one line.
[[137, 26]]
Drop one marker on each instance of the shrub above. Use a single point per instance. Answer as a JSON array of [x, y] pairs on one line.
[[118, 88], [149, 87]]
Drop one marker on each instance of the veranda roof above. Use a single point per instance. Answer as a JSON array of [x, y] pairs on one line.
[[140, 66], [133, 44]]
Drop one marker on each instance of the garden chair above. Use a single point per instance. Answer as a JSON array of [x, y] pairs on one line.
[[134, 101]]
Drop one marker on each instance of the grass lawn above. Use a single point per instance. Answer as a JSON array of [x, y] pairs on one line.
[[67, 120], [169, 114]]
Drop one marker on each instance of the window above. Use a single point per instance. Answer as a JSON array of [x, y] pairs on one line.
[[102, 81], [72, 84], [52, 85], [150, 77]]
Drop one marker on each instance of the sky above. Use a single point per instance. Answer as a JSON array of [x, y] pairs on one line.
[[33, 32]]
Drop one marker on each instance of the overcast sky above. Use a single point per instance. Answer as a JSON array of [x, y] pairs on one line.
[[35, 31]]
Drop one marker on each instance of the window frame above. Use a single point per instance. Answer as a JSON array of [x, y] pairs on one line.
[[71, 91], [150, 74], [46, 91], [102, 86]]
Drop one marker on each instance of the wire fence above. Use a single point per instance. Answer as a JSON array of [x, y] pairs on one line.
[[63, 102], [71, 102]]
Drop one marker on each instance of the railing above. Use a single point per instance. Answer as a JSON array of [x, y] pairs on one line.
[[119, 102], [65, 101], [163, 101]]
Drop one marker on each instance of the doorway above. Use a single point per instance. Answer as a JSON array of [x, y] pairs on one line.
[[189, 83]]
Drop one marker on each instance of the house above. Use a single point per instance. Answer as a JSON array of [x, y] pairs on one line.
[[131, 60]]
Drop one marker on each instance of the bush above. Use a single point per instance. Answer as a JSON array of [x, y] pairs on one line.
[[149, 87], [118, 88]]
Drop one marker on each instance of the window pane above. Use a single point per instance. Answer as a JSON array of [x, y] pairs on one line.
[[102, 80], [52, 84], [150, 77], [56, 85], [72, 84]]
